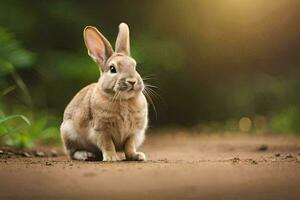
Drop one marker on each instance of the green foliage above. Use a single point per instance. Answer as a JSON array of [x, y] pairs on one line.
[[6, 130], [11, 132], [69, 66], [229, 125], [156, 55], [7, 90], [286, 121], [12, 54], [23, 135], [4, 119], [14, 57]]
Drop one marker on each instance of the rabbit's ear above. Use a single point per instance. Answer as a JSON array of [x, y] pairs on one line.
[[98, 46], [123, 42]]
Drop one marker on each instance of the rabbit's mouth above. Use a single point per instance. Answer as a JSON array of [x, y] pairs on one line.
[[125, 87], [126, 90]]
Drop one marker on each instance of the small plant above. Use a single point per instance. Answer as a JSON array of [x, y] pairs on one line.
[[6, 130], [41, 128]]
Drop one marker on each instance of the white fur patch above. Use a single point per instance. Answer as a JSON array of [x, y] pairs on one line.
[[83, 155], [68, 130]]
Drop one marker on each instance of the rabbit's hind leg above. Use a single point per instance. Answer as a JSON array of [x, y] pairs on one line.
[[73, 148]]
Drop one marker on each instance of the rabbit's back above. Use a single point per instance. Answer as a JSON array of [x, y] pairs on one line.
[[78, 110]]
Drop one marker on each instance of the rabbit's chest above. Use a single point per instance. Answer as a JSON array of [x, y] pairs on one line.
[[129, 121], [124, 122]]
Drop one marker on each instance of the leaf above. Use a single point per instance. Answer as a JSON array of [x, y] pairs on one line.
[[25, 119], [7, 90], [12, 53]]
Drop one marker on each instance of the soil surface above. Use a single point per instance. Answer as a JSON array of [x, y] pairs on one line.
[[179, 166]]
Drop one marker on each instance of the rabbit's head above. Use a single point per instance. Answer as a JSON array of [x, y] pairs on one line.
[[119, 78]]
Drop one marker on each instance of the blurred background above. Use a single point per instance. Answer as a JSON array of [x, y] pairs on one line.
[[220, 66]]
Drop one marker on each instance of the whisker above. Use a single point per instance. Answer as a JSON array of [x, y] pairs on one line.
[[118, 95], [150, 86], [149, 77], [145, 92], [115, 97], [154, 99], [120, 100], [153, 86], [154, 93]]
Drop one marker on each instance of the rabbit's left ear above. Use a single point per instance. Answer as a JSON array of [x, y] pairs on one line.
[[98, 46], [123, 41]]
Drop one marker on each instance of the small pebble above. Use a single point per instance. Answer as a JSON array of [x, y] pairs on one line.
[[263, 148], [39, 154], [1, 151], [235, 159], [289, 156], [53, 153], [250, 160], [277, 154], [25, 154], [273, 160], [254, 162], [48, 163], [10, 154], [163, 160]]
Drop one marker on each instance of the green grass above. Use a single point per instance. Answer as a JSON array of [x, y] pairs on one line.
[[21, 132]]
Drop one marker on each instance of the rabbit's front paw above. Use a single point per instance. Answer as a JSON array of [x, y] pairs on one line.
[[138, 156], [110, 157]]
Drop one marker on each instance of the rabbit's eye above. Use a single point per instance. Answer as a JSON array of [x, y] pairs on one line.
[[112, 69]]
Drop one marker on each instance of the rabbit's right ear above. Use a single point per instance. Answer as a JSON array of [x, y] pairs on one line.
[[98, 46]]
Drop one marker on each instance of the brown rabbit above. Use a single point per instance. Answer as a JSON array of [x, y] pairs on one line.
[[111, 114]]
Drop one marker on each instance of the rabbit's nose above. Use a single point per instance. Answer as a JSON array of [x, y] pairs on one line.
[[131, 82]]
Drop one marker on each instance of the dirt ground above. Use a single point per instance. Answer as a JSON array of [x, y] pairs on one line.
[[179, 166]]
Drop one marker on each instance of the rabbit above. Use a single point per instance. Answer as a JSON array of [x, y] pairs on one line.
[[112, 114]]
